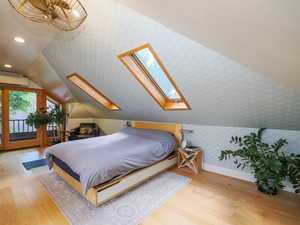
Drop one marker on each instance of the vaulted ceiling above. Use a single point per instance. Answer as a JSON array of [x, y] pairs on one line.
[[26, 59], [263, 35], [236, 64]]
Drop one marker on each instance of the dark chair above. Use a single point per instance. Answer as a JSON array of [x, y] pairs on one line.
[[85, 130]]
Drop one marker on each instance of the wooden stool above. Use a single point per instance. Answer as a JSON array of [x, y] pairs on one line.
[[190, 158]]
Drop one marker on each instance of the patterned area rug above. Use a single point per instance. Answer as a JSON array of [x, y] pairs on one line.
[[129, 209]]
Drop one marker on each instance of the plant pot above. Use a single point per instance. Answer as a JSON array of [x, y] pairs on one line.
[[268, 192]]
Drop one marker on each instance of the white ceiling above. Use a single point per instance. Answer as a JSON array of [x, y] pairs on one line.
[[26, 58], [258, 36], [220, 91], [261, 34]]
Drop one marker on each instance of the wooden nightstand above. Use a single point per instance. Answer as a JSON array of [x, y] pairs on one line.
[[190, 158]]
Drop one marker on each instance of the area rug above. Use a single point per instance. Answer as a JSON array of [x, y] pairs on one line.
[[129, 209], [35, 163], [40, 170]]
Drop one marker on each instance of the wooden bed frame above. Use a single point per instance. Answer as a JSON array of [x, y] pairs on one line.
[[112, 189]]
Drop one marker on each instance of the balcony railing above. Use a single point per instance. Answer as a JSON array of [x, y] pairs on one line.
[[20, 126], [19, 130]]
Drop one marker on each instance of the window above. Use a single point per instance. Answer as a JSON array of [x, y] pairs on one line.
[[51, 104], [0, 117], [52, 127], [147, 68], [85, 86]]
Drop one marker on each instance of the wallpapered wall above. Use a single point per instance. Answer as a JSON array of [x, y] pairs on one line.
[[108, 126], [213, 139]]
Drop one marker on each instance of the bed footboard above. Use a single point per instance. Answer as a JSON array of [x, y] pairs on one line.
[[107, 191]]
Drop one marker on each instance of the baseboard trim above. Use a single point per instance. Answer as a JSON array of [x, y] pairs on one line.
[[229, 172], [237, 174]]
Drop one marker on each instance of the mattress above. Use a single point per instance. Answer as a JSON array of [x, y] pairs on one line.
[[61, 164], [97, 160]]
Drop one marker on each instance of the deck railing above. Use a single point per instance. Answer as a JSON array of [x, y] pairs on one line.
[[20, 126], [19, 130]]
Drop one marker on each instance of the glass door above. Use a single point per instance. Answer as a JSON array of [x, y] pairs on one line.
[[1, 120], [16, 103], [20, 104], [52, 133], [51, 128]]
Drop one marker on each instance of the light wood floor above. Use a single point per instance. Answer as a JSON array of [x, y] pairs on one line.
[[209, 200]]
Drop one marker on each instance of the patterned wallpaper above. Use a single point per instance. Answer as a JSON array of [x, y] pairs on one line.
[[213, 139], [220, 91]]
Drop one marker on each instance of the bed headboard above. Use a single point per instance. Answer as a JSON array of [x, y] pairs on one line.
[[175, 129]]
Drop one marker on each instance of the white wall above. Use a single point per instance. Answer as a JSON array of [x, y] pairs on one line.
[[213, 139], [80, 110], [110, 126], [17, 79], [73, 123], [107, 125]]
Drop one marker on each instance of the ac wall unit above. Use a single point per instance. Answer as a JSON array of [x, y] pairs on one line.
[[14, 79]]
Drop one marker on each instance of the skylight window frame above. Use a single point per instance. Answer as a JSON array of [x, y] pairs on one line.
[[144, 69], [110, 106], [159, 94]]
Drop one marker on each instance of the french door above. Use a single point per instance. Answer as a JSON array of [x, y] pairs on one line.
[[1, 120], [15, 105]]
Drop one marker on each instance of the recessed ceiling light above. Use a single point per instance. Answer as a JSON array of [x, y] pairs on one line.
[[19, 39], [7, 66]]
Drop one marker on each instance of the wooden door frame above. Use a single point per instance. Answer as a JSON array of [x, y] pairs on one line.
[[42, 138], [48, 140], [2, 130], [8, 144]]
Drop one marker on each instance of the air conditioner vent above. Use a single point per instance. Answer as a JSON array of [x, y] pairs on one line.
[[13, 79]]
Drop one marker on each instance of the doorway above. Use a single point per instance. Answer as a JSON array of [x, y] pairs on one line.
[[15, 105]]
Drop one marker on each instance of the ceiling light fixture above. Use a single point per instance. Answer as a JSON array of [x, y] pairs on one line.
[[76, 13], [66, 15], [19, 39], [7, 66]]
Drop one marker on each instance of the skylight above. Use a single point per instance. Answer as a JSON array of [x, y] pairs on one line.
[[85, 86], [150, 64], [145, 65]]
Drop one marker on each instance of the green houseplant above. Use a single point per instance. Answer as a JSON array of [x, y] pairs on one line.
[[270, 165], [38, 118], [57, 116]]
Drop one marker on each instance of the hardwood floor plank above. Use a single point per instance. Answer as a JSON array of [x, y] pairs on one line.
[[210, 199], [9, 213]]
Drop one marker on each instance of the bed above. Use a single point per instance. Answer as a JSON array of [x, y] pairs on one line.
[[143, 157]]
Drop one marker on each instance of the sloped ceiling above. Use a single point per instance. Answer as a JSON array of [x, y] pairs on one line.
[[84, 110], [263, 35], [42, 72], [220, 91], [26, 58]]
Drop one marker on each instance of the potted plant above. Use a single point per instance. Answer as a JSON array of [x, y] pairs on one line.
[[270, 165], [38, 118], [43, 117], [58, 116]]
